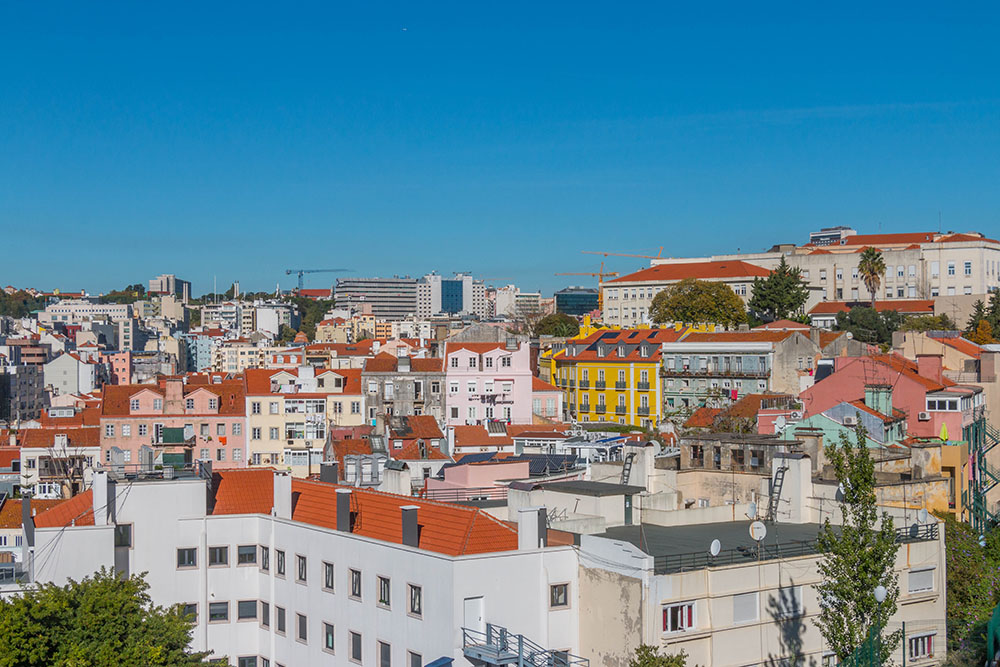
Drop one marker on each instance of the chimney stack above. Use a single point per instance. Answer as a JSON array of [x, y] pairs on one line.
[[532, 528], [27, 520], [328, 472], [411, 530], [930, 366], [344, 510], [282, 495]]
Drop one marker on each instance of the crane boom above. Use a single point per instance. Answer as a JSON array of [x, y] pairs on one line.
[[301, 272]]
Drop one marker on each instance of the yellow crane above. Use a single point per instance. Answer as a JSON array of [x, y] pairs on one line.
[[658, 255]]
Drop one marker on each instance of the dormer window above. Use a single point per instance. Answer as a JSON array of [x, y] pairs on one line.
[[621, 350], [133, 404], [213, 404], [189, 404], [489, 362], [157, 403], [472, 362]]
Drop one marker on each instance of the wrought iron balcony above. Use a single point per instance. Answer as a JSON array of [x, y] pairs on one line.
[[620, 409], [644, 411], [600, 384], [600, 409], [584, 384], [621, 385], [642, 386]]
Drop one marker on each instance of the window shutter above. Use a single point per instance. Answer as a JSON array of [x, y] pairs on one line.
[[745, 608]]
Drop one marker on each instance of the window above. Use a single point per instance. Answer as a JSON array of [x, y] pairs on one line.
[[280, 557], [280, 619], [454, 362], [126, 430], [968, 268], [133, 404], [302, 632], [272, 407], [246, 609], [190, 609], [302, 571], [218, 612], [265, 558], [678, 617], [255, 433], [415, 659], [505, 362], [558, 596], [384, 655], [189, 404], [328, 577], [123, 535], [488, 362], [248, 661], [921, 646], [109, 430], [220, 454], [237, 453], [246, 554], [383, 591], [356, 584], [472, 386], [951, 268], [355, 638], [274, 433], [255, 408], [921, 580], [220, 429], [157, 403], [143, 429], [328, 637], [187, 557], [218, 556], [745, 607], [355, 407], [265, 614], [416, 603]]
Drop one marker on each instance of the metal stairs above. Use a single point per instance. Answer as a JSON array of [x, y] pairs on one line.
[[627, 467], [498, 646], [775, 495]]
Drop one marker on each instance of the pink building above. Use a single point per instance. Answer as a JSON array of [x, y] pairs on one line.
[[479, 480], [119, 367], [920, 389], [213, 416], [487, 382]]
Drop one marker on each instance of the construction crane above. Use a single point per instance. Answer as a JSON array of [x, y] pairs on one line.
[[600, 275], [658, 255], [301, 272]]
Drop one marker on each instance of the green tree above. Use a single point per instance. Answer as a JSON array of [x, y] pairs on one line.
[[310, 312], [857, 556], [993, 311], [650, 656], [286, 334], [928, 323], [868, 325], [978, 315], [19, 304], [780, 295], [128, 294], [103, 620], [557, 324], [871, 268], [973, 586], [983, 334], [696, 301]]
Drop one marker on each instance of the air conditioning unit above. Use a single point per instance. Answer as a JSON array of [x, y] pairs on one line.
[[850, 421], [924, 416]]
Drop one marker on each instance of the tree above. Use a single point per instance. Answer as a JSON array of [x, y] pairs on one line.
[[695, 301], [928, 323], [993, 310], [129, 294], [858, 557], [286, 334], [780, 295], [868, 325], [983, 334], [650, 656], [557, 324], [19, 303], [102, 620], [978, 315], [871, 268]]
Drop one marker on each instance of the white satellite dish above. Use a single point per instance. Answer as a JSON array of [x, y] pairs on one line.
[[780, 423], [922, 516], [752, 511], [758, 531], [715, 548]]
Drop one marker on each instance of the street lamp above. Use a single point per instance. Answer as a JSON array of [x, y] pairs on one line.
[[880, 594]]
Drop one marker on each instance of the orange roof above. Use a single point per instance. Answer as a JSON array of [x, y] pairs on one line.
[[519, 430], [454, 530], [8, 454], [782, 325], [478, 436], [10, 511], [411, 452], [888, 239], [906, 306], [87, 436], [699, 270], [232, 398], [78, 511], [897, 414], [87, 417], [387, 363], [755, 336], [538, 384], [962, 238], [349, 447], [963, 345], [415, 427], [478, 348], [905, 367], [703, 417], [627, 337], [359, 349]]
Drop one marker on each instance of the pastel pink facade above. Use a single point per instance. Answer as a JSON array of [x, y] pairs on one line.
[[487, 382], [119, 367], [477, 479], [133, 416]]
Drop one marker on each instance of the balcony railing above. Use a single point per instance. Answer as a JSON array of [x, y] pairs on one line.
[[465, 495], [585, 407], [600, 409], [714, 372], [584, 384], [620, 409], [642, 386], [572, 383], [643, 410], [620, 385], [600, 384]]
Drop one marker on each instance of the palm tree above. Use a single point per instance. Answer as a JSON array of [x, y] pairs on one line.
[[871, 268]]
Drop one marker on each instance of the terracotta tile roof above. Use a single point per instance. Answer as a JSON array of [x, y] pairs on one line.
[[699, 270], [738, 337], [897, 414], [888, 239], [478, 436], [8, 454], [415, 426], [359, 349], [478, 348], [10, 511], [352, 379], [87, 436], [703, 417], [628, 337], [78, 510], [963, 345], [90, 416], [411, 452], [388, 363], [962, 238], [448, 529], [827, 337], [905, 367], [342, 448], [905, 306], [538, 384], [232, 398], [326, 293], [748, 406], [782, 325]]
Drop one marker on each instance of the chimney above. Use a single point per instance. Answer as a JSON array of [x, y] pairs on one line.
[[344, 510], [27, 520], [878, 397], [814, 336], [930, 366], [173, 402], [532, 529], [282, 506], [328, 472], [411, 531]]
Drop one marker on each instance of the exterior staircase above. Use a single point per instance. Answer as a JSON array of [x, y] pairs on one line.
[[775, 495], [498, 646]]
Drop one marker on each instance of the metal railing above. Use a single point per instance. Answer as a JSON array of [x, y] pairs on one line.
[[620, 385], [464, 495], [600, 384], [620, 409], [642, 386], [643, 410], [498, 646], [722, 372], [585, 407], [600, 409], [584, 384]]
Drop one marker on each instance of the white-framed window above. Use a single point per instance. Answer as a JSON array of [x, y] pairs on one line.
[[505, 362], [454, 362], [126, 430], [133, 404], [143, 429], [109, 430], [189, 404], [678, 617], [921, 646], [951, 268], [968, 268], [157, 403], [919, 581], [255, 433]]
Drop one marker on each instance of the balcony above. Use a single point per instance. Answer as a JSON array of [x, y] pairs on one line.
[[642, 386], [584, 383], [643, 410], [725, 371], [620, 409], [600, 384], [600, 409], [572, 384], [584, 407], [621, 385]]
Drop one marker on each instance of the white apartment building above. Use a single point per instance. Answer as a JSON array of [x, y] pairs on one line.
[[75, 311], [289, 572], [510, 301], [460, 294]]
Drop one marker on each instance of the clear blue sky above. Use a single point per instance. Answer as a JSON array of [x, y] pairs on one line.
[[241, 139]]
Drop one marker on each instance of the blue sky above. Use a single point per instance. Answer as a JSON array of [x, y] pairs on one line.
[[239, 139]]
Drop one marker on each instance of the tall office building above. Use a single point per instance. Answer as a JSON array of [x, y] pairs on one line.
[[451, 296], [576, 301], [389, 298]]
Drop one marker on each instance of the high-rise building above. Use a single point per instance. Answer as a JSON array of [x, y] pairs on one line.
[[389, 298], [168, 283], [576, 301], [451, 296]]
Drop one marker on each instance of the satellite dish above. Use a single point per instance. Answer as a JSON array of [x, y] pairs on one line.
[[715, 548], [752, 511], [922, 516], [758, 531], [915, 530], [780, 423]]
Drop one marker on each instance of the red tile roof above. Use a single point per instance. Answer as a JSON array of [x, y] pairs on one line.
[[905, 306], [232, 399], [478, 436], [628, 337], [906, 368], [897, 414], [10, 511], [888, 239], [349, 447], [703, 417], [86, 436], [416, 426], [699, 270], [388, 363], [359, 349], [411, 452], [538, 384], [87, 417], [243, 491], [963, 238], [783, 325], [78, 510], [8, 454], [755, 336], [963, 345], [478, 348]]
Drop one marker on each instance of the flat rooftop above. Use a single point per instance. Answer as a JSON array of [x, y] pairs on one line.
[[598, 489]]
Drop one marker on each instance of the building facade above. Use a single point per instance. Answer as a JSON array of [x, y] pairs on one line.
[[488, 382]]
